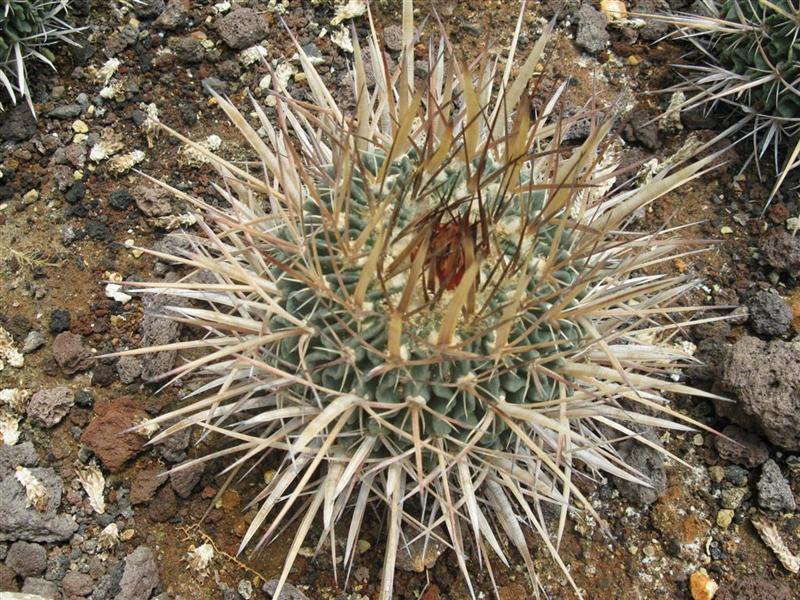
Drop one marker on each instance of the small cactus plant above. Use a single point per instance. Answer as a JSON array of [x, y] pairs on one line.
[[746, 58], [431, 305], [27, 29]]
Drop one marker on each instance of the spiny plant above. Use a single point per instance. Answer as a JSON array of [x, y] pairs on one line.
[[746, 58], [27, 29], [431, 306]]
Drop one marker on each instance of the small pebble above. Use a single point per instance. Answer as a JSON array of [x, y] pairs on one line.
[[33, 341], [724, 518], [702, 586], [79, 126], [716, 473]]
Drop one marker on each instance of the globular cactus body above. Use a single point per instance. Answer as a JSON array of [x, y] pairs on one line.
[[431, 304], [27, 30], [747, 57]]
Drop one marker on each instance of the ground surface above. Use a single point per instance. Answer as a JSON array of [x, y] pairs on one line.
[[59, 244]]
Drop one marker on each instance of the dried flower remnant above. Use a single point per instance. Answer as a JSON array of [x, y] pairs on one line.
[[94, 484], [15, 398], [9, 428], [8, 351], [108, 538], [200, 558], [35, 492], [772, 539]]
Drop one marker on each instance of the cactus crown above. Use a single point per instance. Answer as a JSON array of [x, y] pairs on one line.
[[27, 29], [746, 57], [769, 45], [431, 303]]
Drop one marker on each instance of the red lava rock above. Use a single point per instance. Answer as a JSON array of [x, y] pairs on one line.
[[77, 584], [8, 579], [104, 434], [164, 506], [432, 593], [70, 353], [146, 483]]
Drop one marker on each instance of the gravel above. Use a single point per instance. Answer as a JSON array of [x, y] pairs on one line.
[[18, 521], [26, 559], [59, 320], [591, 35], [650, 463], [33, 341], [70, 353], [47, 407], [140, 576], [774, 492], [242, 28], [770, 315], [765, 379]]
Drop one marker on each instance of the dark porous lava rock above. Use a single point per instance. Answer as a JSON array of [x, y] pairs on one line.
[[764, 379], [774, 492], [741, 447], [157, 330], [781, 250], [769, 314], [186, 478], [650, 463], [27, 559], [591, 35], [242, 28], [146, 483]]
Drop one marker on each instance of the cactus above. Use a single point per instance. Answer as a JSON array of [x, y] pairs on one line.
[[431, 304], [27, 29], [745, 56]]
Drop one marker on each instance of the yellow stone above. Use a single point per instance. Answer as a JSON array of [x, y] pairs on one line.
[[634, 60], [702, 586], [724, 518], [79, 126], [613, 9]]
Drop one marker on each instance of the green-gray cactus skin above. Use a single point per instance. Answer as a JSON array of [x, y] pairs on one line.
[[772, 44], [436, 384], [23, 20]]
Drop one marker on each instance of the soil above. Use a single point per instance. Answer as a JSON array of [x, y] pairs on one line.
[[57, 254]]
